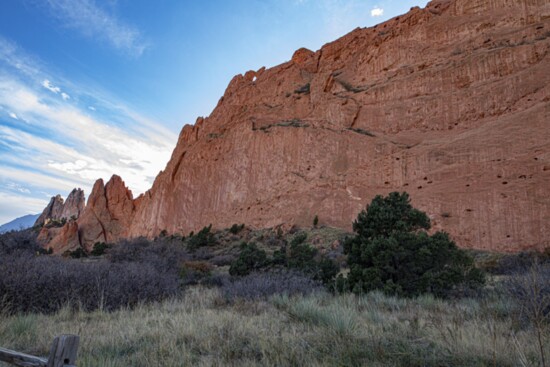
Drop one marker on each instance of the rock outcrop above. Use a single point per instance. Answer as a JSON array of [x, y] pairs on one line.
[[74, 205], [52, 211], [58, 221], [60, 239], [105, 218], [450, 103], [108, 213], [59, 209]]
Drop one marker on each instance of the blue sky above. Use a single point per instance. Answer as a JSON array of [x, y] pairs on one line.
[[92, 88]]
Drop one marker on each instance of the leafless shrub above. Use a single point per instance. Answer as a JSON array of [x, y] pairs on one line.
[[165, 254], [531, 291], [17, 241], [45, 284], [518, 263]]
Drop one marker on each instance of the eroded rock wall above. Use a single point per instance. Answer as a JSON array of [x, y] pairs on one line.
[[449, 103]]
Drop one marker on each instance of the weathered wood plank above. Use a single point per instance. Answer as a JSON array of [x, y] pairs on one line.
[[21, 359], [62, 354], [63, 351]]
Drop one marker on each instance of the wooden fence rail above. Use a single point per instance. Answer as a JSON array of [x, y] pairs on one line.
[[62, 354]]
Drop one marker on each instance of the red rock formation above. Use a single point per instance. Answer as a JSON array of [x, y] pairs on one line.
[[60, 239], [105, 218], [74, 205], [450, 103], [52, 211], [58, 209], [107, 215]]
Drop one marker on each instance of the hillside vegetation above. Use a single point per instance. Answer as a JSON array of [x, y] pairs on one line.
[[274, 297]]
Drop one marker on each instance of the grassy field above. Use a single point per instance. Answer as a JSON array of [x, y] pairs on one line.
[[204, 320], [203, 329]]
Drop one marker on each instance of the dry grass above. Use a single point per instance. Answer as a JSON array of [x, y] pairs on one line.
[[318, 330]]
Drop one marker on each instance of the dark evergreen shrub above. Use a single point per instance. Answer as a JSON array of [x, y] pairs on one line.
[[251, 258], [279, 256], [203, 238], [301, 255], [78, 253], [235, 228], [99, 249], [392, 252], [327, 271], [305, 258]]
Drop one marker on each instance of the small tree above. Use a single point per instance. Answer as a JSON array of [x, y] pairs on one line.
[[306, 258], [301, 254], [391, 251], [77, 254], [235, 228], [251, 258], [315, 221], [99, 249], [203, 238]]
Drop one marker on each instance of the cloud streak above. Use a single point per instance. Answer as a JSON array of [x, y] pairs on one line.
[[94, 22], [104, 149], [52, 144]]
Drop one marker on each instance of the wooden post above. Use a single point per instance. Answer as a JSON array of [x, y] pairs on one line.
[[62, 354], [63, 351]]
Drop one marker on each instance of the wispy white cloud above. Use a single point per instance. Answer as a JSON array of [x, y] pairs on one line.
[[102, 149], [94, 22], [49, 86], [377, 12], [54, 89], [20, 62], [13, 116], [17, 187]]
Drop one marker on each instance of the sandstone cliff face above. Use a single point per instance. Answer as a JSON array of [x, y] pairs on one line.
[[58, 208], [60, 239], [108, 213], [74, 205], [450, 103], [52, 211]]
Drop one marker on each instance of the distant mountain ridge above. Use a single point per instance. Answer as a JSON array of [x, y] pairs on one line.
[[23, 222]]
